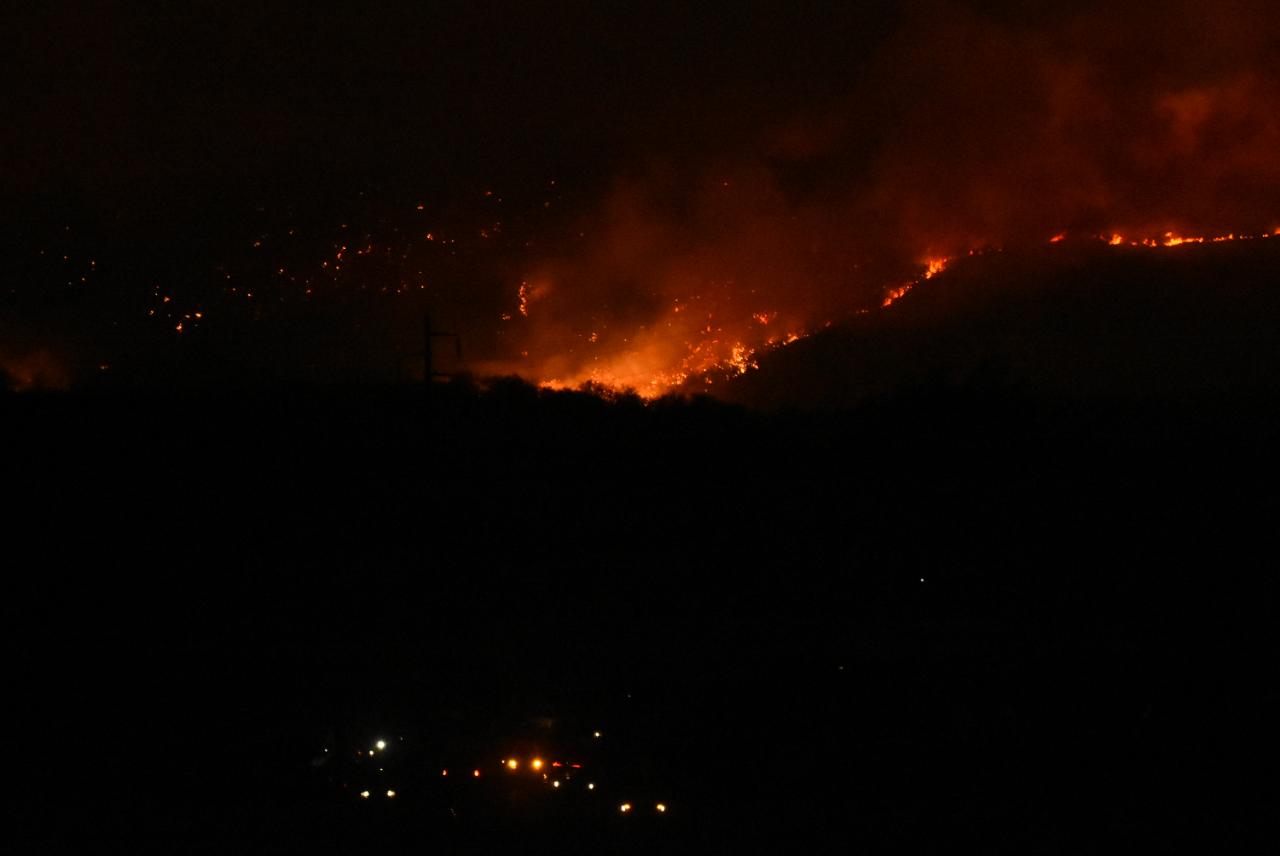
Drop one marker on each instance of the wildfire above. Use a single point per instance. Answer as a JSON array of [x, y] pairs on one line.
[[937, 264], [700, 326], [652, 368], [894, 293], [1173, 239], [932, 267]]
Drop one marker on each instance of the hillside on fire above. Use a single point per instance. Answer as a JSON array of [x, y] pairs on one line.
[[1069, 322]]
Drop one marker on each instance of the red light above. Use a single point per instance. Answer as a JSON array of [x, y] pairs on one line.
[[556, 764]]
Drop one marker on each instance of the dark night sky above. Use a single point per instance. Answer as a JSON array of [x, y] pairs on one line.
[[165, 102], [142, 99]]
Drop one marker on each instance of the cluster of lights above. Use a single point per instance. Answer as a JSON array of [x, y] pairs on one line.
[[535, 764], [626, 807]]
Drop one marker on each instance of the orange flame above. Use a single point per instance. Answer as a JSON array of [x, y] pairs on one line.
[[652, 367]]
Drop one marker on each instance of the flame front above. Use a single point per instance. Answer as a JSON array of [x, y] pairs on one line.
[[652, 366], [668, 357]]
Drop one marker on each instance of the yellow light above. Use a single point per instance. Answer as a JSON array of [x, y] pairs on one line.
[[364, 794], [475, 773], [390, 794], [444, 772], [381, 744], [537, 763], [625, 807], [662, 807], [512, 764]]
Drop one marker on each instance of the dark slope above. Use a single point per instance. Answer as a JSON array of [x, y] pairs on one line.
[[1194, 323]]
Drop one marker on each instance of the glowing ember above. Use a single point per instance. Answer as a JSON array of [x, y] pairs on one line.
[[1173, 239], [655, 366], [652, 366], [642, 314], [935, 266], [894, 293], [932, 267]]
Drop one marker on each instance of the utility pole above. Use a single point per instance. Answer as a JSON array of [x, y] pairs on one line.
[[429, 335]]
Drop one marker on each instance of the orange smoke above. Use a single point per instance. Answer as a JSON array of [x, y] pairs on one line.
[[36, 369], [963, 131]]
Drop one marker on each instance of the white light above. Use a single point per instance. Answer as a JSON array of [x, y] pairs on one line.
[[591, 786], [556, 783], [595, 734], [381, 744], [364, 794], [390, 794], [370, 753], [625, 807]]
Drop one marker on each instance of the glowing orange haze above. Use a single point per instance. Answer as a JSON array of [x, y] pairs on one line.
[[37, 369], [675, 355]]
